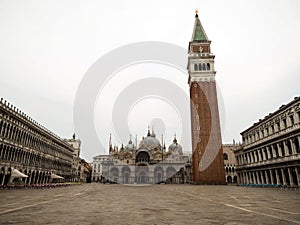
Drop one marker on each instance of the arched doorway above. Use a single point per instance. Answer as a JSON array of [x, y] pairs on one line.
[[7, 177], [142, 175], [170, 172], [235, 179], [229, 179], [114, 174], [126, 174], [158, 175]]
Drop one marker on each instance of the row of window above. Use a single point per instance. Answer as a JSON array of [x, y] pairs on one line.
[[280, 149], [229, 169], [13, 154], [29, 138], [201, 66], [276, 127]]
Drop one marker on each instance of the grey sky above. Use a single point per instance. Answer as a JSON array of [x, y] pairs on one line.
[[47, 46]]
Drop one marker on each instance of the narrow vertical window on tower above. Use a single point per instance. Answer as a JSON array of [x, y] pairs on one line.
[[195, 67], [200, 66], [208, 66]]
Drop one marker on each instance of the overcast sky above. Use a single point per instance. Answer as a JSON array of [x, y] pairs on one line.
[[46, 47]]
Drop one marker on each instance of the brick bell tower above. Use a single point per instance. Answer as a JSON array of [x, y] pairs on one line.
[[207, 152]]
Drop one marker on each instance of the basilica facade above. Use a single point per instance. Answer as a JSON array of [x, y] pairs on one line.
[[149, 162]]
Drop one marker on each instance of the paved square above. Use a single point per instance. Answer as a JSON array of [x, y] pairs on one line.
[[154, 204]]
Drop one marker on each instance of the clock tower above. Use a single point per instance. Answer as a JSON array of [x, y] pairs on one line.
[[207, 157]]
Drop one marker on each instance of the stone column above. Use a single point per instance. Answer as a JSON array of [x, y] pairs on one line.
[[271, 176], [298, 176], [238, 178], [273, 152], [255, 153], [44, 179], [257, 177], [29, 180], [291, 178], [277, 177], [268, 152], [264, 154], [261, 177], [250, 178], [26, 180], [286, 150], [2, 181], [283, 177], [293, 146], [299, 143], [265, 177], [258, 155], [279, 150], [243, 178]]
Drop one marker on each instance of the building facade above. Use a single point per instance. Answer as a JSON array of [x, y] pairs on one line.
[[85, 171], [230, 162], [30, 149], [208, 165], [270, 152], [76, 144], [97, 167], [147, 163]]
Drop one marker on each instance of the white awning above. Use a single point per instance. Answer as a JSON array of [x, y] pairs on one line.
[[18, 174], [54, 176]]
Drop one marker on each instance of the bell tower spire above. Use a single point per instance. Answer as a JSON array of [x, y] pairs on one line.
[[198, 31], [208, 164]]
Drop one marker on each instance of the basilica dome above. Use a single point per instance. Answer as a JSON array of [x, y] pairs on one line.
[[175, 147], [129, 146], [150, 142]]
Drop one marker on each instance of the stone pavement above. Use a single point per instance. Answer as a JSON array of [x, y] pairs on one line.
[[154, 204]]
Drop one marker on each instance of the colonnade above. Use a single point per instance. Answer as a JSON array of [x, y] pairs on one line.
[[286, 176]]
